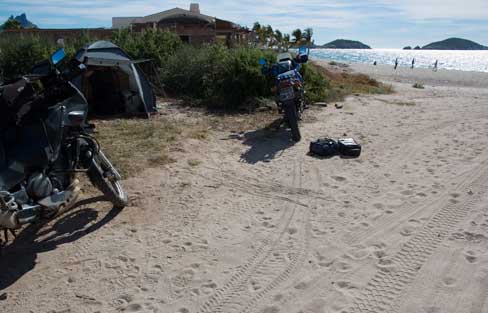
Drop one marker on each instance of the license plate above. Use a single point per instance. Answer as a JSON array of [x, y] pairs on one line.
[[287, 94]]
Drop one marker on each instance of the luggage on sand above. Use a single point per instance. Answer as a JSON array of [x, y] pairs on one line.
[[326, 147], [349, 147]]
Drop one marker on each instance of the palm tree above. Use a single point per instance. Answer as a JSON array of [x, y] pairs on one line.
[[308, 34], [297, 33], [278, 36], [286, 41], [268, 32], [256, 27]]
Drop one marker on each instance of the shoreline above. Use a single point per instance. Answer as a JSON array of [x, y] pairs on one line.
[[386, 73]]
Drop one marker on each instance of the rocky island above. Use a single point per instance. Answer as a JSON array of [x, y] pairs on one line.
[[344, 44], [455, 44], [451, 44]]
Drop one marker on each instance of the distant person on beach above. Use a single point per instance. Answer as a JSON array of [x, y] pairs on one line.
[[375, 63], [396, 63], [436, 64], [413, 63]]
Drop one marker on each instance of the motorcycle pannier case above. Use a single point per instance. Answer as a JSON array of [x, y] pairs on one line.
[[349, 147], [324, 147]]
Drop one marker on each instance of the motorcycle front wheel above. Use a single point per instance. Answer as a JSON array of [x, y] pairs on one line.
[[105, 177], [291, 116]]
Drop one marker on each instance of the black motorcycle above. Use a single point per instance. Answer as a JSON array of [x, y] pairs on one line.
[[45, 141], [290, 89]]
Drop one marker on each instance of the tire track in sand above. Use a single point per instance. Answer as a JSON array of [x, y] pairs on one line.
[[399, 271], [271, 265]]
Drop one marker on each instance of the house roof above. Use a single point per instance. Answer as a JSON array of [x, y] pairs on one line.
[[121, 22], [176, 12]]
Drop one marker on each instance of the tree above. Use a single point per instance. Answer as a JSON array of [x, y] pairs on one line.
[[308, 34], [286, 38], [11, 24], [297, 33], [278, 36], [269, 31], [256, 27], [286, 41]]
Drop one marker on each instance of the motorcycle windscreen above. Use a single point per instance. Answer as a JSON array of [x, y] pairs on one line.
[[38, 141]]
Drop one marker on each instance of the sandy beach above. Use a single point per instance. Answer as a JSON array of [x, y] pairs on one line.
[[442, 77], [254, 224]]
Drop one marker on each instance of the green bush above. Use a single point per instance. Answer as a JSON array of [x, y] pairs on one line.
[[17, 57], [316, 85], [217, 76], [157, 45], [214, 75]]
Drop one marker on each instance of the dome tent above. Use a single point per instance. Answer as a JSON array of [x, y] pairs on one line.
[[113, 83]]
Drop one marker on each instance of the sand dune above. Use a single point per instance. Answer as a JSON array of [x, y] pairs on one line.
[[259, 226]]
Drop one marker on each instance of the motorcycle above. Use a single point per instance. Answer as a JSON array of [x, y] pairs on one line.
[[290, 90], [45, 141]]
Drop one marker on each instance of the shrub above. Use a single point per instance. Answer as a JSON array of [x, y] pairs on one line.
[[316, 85], [17, 57], [157, 45], [217, 76]]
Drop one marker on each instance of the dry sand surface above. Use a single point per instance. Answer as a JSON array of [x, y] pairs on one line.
[[247, 222]]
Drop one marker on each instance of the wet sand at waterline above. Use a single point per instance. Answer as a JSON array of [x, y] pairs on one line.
[[254, 224]]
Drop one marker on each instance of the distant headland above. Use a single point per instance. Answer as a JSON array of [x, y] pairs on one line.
[[344, 44], [451, 44]]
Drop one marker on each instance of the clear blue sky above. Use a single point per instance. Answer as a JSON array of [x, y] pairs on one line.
[[379, 23]]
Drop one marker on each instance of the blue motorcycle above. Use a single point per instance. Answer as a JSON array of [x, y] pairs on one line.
[[290, 89]]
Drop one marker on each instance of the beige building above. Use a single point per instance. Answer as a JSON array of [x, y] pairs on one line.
[[190, 25]]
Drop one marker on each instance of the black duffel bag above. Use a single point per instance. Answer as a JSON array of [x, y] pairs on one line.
[[324, 147]]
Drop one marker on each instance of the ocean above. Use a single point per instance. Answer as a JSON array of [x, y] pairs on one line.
[[449, 60]]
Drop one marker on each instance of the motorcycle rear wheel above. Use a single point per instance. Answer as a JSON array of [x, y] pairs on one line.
[[104, 176], [291, 116]]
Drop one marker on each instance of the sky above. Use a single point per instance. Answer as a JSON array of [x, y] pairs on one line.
[[378, 23]]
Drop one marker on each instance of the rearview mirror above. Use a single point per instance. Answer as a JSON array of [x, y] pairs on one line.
[[58, 56], [262, 61]]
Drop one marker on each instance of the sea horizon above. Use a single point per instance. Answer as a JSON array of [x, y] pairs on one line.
[[461, 60]]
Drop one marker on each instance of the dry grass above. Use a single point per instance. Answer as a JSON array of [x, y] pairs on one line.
[[243, 122], [135, 144], [343, 84]]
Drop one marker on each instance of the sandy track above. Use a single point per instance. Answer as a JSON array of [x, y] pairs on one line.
[[259, 226]]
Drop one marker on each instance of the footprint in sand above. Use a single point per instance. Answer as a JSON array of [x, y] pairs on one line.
[[209, 287], [133, 307], [471, 256], [254, 286], [449, 281], [344, 285], [386, 265], [339, 178], [343, 267], [358, 254]]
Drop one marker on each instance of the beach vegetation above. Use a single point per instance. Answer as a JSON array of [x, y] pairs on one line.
[[418, 86], [211, 76], [342, 84]]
